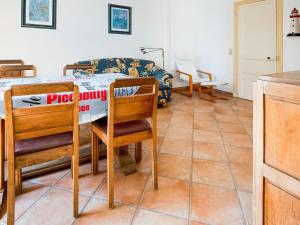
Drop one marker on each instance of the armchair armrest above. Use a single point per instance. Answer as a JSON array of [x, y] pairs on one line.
[[163, 76], [210, 77], [190, 81], [186, 74]]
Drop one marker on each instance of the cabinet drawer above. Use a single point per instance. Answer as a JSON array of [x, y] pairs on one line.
[[282, 135], [280, 208]]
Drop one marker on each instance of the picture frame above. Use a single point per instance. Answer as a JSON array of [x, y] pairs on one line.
[[39, 14], [119, 19]]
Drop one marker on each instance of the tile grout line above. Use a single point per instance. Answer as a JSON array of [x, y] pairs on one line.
[[89, 199], [50, 188], [138, 205], [54, 187], [191, 170], [242, 208], [233, 178]]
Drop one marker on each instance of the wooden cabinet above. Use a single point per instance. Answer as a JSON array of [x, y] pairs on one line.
[[277, 150]]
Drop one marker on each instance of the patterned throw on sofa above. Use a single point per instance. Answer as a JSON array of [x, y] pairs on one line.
[[135, 68]]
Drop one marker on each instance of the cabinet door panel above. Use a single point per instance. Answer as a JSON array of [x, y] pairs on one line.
[[280, 208], [282, 135]]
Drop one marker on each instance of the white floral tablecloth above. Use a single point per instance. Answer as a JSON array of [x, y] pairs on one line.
[[93, 94]]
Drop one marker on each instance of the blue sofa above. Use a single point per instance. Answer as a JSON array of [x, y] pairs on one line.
[[135, 68]]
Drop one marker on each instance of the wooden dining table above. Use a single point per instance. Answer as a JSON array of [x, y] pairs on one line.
[[93, 102]]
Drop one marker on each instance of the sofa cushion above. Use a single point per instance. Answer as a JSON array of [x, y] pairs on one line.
[[163, 77], [23, 147], [135, 68], [130, 66], [124, 128], [138, 67]]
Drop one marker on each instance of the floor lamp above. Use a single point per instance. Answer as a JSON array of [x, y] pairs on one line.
[[149, 50]]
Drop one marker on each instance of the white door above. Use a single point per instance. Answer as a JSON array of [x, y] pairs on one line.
[[256, 44]]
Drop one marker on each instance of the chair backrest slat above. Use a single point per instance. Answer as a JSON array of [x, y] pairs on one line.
[[134, 82], [41, 109], [8, 71], [28, 89], [36, 121], [84, 67], [42, 121], [11, 62], [15, 62], [135, 107], [43, 132]]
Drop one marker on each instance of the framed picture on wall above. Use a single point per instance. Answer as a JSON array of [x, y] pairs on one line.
[[39, 13], [119, 19]]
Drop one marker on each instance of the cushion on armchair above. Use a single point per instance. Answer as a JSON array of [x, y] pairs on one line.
[[187, 66]]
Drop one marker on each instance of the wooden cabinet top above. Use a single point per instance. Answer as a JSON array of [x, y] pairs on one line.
[[287, 78]]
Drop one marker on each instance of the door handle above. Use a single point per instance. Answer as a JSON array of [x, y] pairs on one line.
[[273, 59]]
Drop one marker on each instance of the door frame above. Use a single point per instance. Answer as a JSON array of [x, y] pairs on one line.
[[279, 39]]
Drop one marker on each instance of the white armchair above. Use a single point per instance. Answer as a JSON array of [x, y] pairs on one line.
[[189, 77]]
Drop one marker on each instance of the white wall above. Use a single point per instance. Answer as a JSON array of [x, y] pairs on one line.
[[203, 30], [81, 33], [291, 45]]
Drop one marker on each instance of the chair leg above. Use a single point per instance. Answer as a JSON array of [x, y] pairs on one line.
[[18, 181], [11, 194], [110, 177], [94, 155], [154, 163], [138, 152], [191, 89], [200, 91], [2, 152], [71, 174], [75, 168]]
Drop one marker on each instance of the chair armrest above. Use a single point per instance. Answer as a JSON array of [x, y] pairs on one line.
[[206, 73], [186, 74]]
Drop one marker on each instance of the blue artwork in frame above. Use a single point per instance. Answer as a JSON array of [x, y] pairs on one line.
[[119, 19], [39, 13]]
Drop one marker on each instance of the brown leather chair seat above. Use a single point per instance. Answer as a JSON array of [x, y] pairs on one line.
[[23, 147], [121, 129]]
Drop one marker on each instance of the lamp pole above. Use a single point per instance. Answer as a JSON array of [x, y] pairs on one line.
[[149, 50]]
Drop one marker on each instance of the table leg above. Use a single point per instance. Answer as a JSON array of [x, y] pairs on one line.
[[138, 152], [127, 165], [123, 150], [2, 152]]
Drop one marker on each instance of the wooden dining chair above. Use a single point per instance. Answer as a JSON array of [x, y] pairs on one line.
[[127, 123], [81, 67], [9, 71], [11, 62], [39, 134]]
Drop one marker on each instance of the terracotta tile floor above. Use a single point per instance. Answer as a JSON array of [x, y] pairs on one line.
[[205, 175]]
